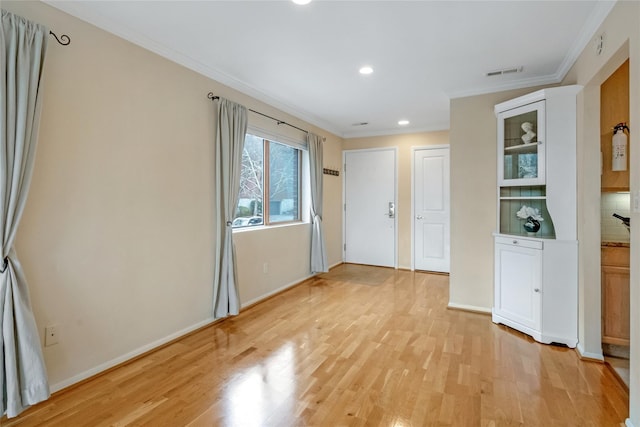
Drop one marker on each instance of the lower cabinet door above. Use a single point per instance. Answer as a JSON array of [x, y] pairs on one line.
[[518, 286], [615, 305]]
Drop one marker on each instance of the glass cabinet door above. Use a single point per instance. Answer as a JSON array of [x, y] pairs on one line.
[[521, 149]]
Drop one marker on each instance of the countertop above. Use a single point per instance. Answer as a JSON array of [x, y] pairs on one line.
[[615, 244]]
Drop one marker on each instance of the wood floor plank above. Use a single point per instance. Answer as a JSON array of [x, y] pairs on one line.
[[358, 346]]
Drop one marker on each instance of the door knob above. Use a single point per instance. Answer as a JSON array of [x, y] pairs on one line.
[[419, 217], [536, 290]]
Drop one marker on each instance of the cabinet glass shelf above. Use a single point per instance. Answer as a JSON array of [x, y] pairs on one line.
[[529, 148], [524, 198]]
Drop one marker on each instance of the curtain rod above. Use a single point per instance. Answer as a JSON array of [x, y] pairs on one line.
[[213, 97], [64, 39]]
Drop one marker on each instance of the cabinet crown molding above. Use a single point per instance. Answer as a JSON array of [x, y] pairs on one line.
[[536, 96]]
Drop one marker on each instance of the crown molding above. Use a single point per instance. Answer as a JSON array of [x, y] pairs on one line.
[[595, 20], [516, 84], [443, 126], [75, 9]]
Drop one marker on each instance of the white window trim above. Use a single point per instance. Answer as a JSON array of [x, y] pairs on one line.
[[305, 197], [275, 137]]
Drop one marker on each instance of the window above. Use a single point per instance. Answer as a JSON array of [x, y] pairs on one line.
[[270, 171]]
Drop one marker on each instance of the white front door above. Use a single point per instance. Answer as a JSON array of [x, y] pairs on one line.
[[370, 203], [431, 209]]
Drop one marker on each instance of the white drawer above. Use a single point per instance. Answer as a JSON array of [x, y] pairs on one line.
[[519, 241]]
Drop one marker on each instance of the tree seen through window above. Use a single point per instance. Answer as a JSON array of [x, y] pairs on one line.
[[270, 171]]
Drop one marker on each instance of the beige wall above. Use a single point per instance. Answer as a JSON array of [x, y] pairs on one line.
[[117, 238], [404, 143]]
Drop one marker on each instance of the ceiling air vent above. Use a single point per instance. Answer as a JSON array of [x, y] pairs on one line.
[[360, 124], [510, 70]]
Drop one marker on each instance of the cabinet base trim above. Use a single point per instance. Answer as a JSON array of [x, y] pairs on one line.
[[536, 335], [616, 341]]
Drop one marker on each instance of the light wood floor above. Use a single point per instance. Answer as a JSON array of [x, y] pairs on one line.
[[359, 346]]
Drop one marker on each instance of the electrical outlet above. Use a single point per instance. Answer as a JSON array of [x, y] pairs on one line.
[[50, 335]]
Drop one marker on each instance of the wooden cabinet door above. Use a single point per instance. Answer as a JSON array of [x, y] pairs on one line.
[[615, 305]]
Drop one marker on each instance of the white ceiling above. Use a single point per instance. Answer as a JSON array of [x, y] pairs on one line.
[[305, 59]]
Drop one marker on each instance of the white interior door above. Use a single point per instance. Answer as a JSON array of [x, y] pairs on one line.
[[370, 202], [431, 209]]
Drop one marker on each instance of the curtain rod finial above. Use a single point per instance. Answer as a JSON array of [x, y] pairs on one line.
[[212, 97], [64, 39]]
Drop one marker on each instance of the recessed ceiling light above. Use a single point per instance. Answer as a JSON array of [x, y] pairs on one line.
[[366, 70], [403, 122], [301, 1]]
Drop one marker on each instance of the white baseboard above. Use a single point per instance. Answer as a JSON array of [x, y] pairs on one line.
[[471, 308], [589, 355], [275, 291], [336, 264], [628, 422], [128, 356], [145, 348]]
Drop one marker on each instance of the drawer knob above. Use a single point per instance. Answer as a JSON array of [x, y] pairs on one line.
[[515, 242]]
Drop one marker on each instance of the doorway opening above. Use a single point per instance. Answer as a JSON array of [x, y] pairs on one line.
[[615, 208]]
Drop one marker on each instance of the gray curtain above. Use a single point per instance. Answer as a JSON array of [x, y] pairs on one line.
[[318, 251], [231, 127], [22, 371]]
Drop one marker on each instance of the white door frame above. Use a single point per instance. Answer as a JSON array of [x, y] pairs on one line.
[[413, 194], [395, 200]]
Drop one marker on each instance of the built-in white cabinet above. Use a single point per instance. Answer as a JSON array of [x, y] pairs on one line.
[[536, 267]]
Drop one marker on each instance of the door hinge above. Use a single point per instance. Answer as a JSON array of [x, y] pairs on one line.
[[345, 207], [345, 247], [345, 167]]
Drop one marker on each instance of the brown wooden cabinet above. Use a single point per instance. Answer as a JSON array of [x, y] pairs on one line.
[[614, 109], [615, 295]]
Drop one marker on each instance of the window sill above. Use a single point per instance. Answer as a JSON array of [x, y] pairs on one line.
[[270, 227]]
